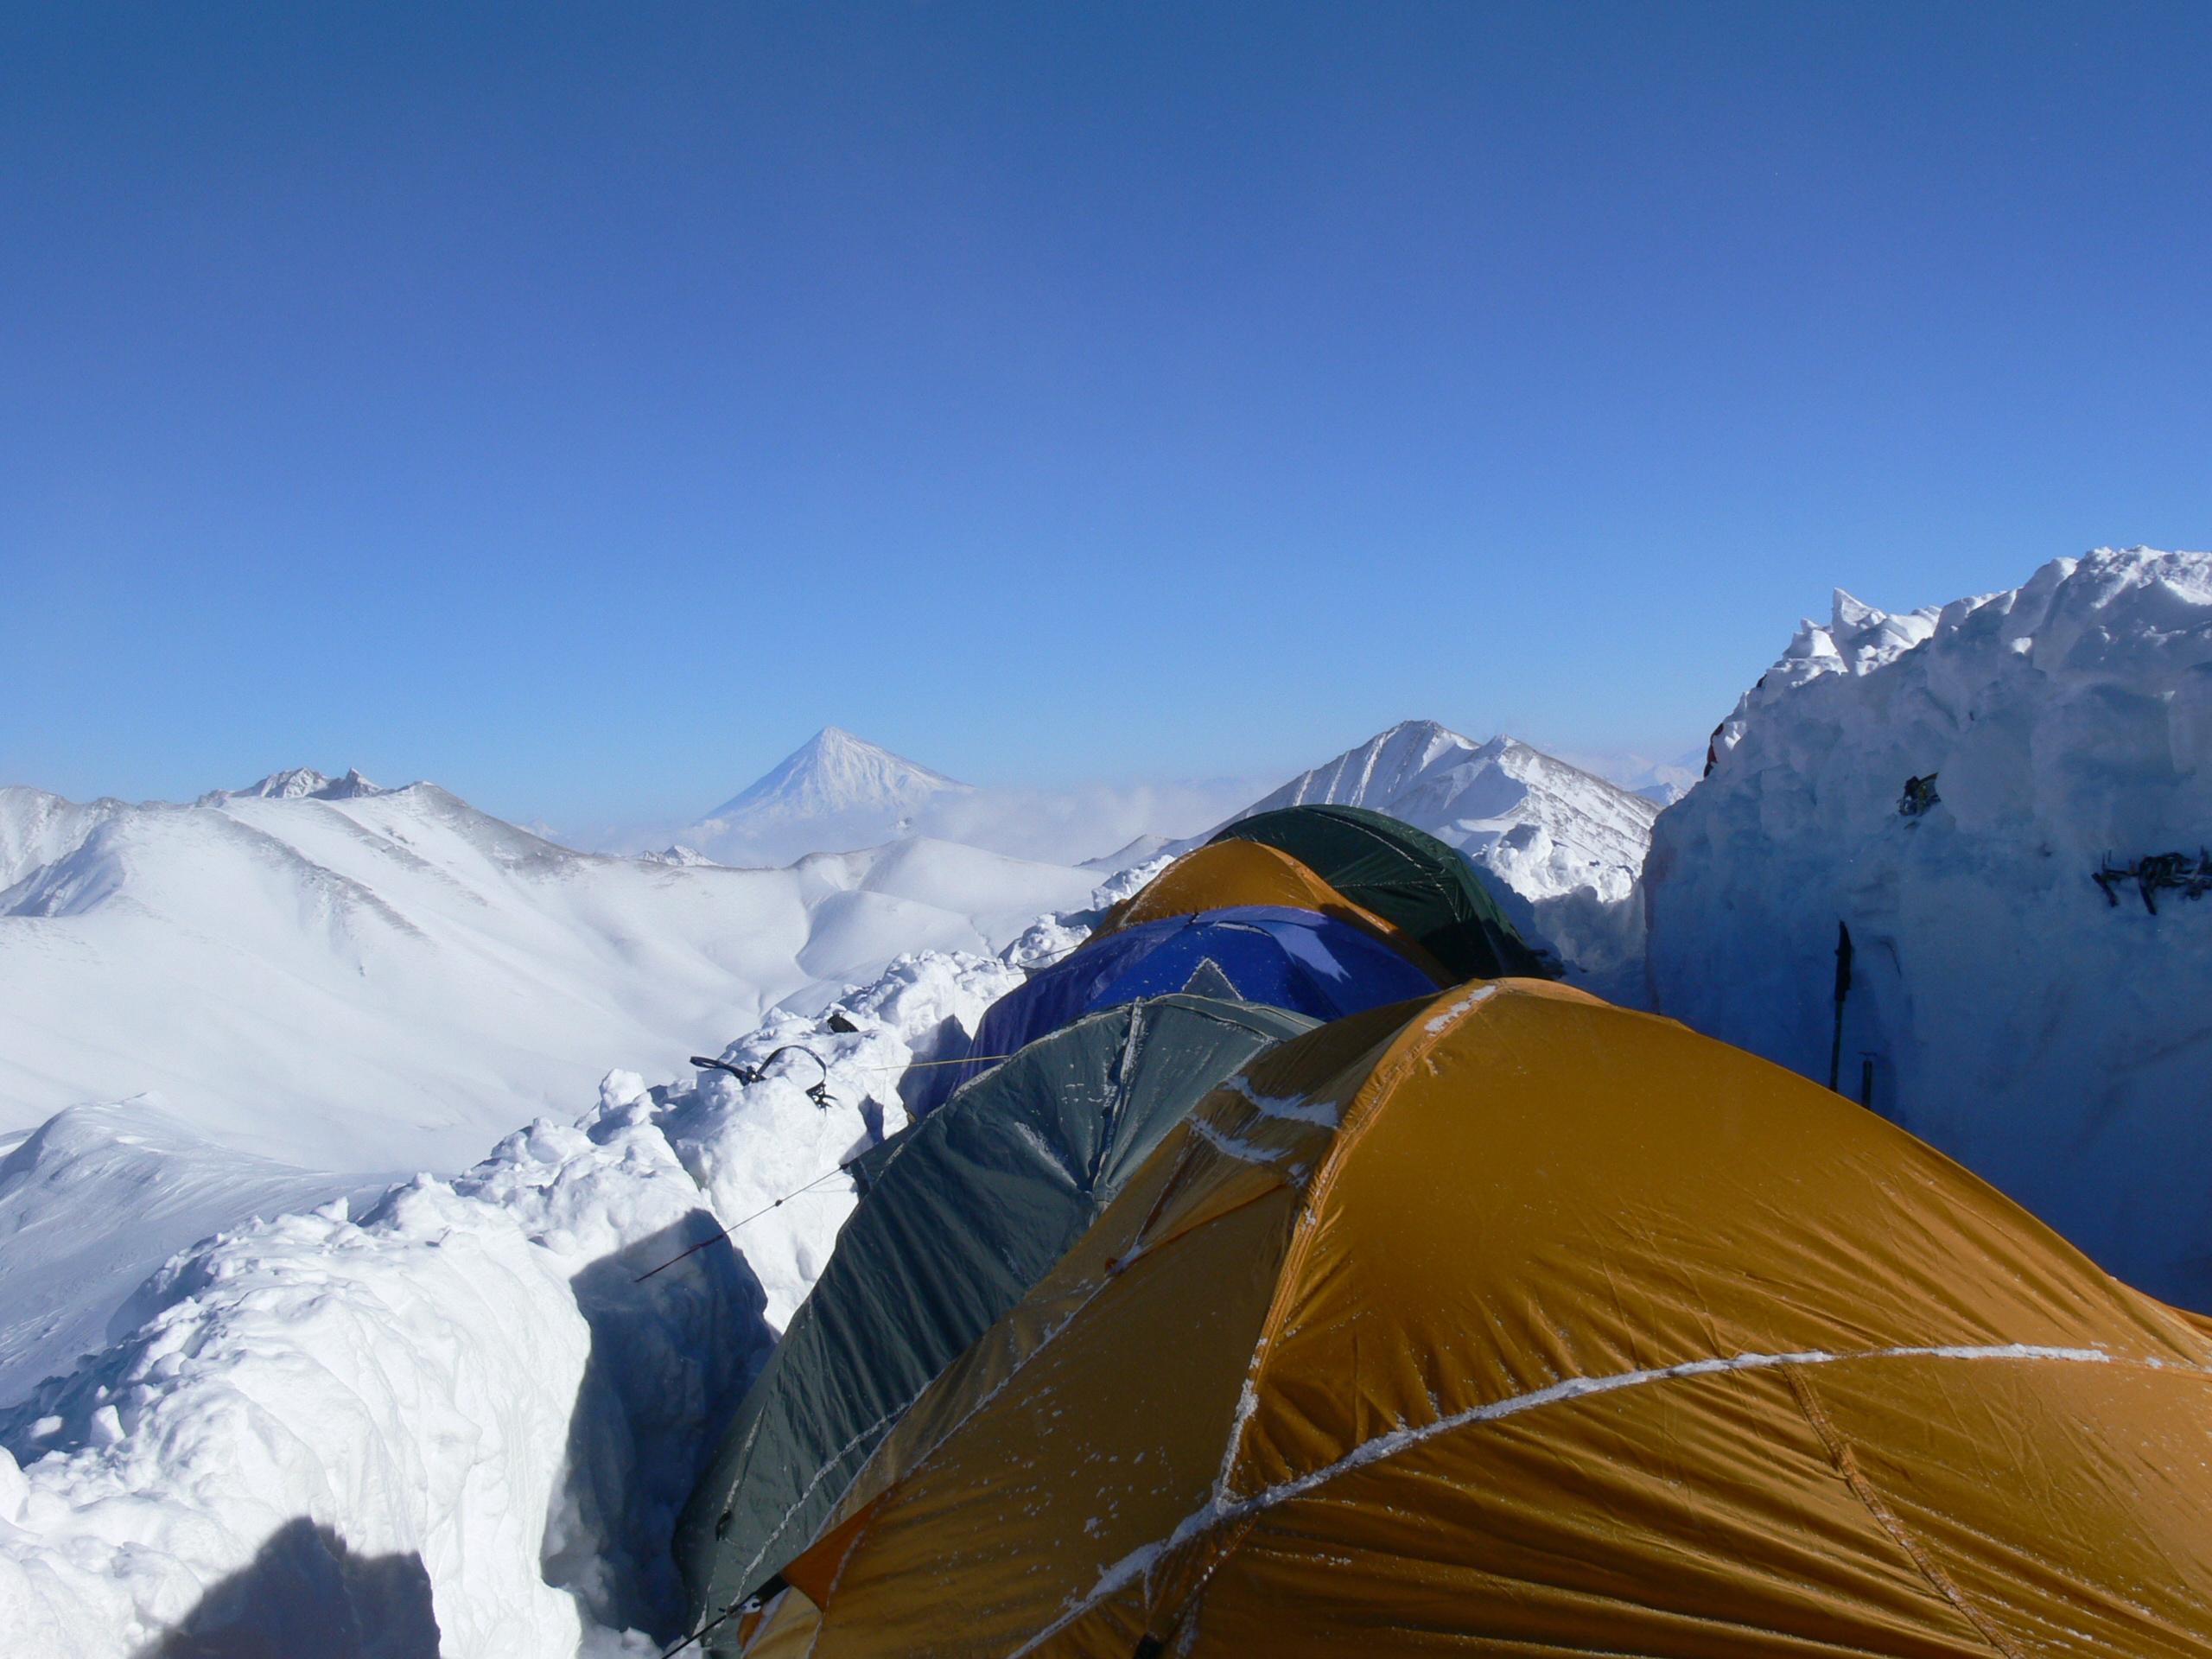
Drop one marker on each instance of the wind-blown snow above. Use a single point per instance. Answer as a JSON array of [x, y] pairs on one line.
[[343, 978], [1564, 849], [2057, 1043]]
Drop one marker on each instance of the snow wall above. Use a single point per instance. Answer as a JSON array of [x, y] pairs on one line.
[[2054, 1037]]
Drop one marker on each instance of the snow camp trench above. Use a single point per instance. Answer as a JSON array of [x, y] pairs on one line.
[[456, 1423]]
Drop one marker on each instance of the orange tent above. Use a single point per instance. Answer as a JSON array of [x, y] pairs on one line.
[[1231, 873], [1514, 1323]]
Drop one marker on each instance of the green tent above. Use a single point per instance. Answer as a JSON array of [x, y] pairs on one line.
[[1405, 876], [962, 1215]]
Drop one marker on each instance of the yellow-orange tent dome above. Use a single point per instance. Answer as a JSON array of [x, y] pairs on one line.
[[1231, 873], [1513, 1322]]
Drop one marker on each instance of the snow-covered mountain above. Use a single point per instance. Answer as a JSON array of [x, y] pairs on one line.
[[833, 792], [1565, 848], [1951, 785], [299, 784], [347, 978]]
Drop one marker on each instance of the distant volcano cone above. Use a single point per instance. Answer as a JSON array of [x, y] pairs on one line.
[[834, 793]]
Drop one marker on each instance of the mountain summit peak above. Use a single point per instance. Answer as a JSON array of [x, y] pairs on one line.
[[835, 771], [834, 792], [298, 784]]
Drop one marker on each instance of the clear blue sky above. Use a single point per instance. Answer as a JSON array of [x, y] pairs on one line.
[[580, 405]]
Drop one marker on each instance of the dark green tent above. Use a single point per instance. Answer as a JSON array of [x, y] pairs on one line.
[[962, 1216], [1404, 876]]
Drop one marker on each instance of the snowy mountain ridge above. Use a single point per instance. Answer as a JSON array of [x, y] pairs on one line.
[[345, 977], [1855, 641], [299, 784], [1565, 848], [1508, 806], [835, 771]]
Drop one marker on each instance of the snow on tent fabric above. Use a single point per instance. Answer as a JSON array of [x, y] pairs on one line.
[[1226, 872], [1528, 1324], [1420, 883], [1286, 958], [971, 1207]]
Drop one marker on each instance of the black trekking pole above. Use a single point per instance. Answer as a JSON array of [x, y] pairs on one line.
[[1842, 990]]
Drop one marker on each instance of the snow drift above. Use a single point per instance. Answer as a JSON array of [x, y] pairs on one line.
[[2051, 1034]]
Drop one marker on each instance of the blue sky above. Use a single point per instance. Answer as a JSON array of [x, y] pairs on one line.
[[580, 405]]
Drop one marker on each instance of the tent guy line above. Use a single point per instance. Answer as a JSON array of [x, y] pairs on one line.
[[809, 1186], [724, 1232]]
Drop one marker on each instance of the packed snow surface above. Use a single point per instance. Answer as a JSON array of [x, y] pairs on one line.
[[99, 1196], [2054, 1037], [344, 977], [1564, 849]]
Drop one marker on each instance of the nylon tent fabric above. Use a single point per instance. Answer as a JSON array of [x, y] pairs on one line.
[[969, 1210], [1528, 1325], [1227, 872], [1423, 885], [1286, 958]]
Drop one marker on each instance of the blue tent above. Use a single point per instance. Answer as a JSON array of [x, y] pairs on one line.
[[1285, 958]]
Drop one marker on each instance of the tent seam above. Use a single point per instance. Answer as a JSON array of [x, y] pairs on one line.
[[1214, 1512], [1847, 1465], [1427, 1029], [822, 1474]]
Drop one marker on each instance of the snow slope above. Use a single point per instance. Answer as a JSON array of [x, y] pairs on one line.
[[457, 1417], [342, 977], [2057, 1042], [95, 1199], [1565, 848], [834, 792]]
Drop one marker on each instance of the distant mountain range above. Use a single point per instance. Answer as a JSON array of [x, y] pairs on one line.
[[351, 977], [1563, 847]]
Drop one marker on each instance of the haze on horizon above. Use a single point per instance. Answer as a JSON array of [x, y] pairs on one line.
[[581, 406]]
